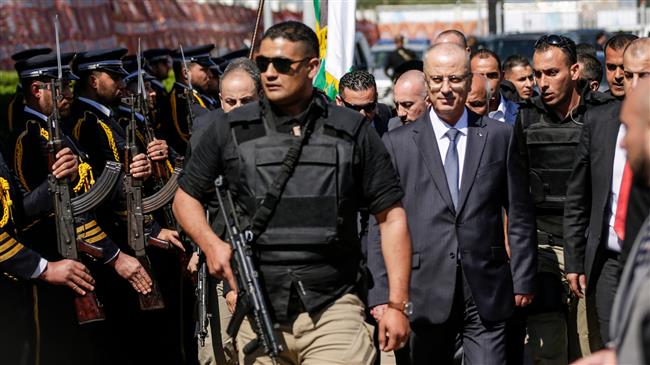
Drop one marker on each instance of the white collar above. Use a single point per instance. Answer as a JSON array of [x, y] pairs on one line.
[[501, 108], [35, 113], [440, 127], [105, 110]]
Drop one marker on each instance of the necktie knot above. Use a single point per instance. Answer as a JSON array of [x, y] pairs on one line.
[[452, 134]]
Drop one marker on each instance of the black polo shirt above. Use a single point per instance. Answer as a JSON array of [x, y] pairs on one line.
[[315, 284]]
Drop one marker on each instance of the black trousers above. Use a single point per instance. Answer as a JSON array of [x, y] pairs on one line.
[[483, 342], [608, 277]]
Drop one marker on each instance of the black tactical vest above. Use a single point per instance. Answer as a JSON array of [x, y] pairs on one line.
[[551, 154], [320, 201]]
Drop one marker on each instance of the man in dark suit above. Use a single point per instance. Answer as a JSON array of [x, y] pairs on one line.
[[599, 222], [630, 323], [358, 91], [458, 171]]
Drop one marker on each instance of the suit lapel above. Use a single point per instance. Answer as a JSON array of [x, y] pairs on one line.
[[476, 137], [427, 144], [609, 142]]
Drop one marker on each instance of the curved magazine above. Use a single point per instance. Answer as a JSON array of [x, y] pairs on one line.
[[162, 196], [100, 191]]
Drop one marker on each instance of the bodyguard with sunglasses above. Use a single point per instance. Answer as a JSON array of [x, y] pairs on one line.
[[358, 91], [548, 128], [309, 253]]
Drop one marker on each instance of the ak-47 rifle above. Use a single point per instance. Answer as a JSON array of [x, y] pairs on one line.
[[137, 206], [189, 94], [251, 300], [202, 298], [66, 207], [160, 173]]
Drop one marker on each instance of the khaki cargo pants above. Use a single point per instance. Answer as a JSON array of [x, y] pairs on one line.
[[336, 335]]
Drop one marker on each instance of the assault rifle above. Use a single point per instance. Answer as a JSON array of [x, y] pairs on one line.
[[189, 94], [251, 299], [137, 206], [160, 173], [202, 291], [66, 207]]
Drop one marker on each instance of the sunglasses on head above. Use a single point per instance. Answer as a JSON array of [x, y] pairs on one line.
[[280, 64], [368, 108], [557, 41]]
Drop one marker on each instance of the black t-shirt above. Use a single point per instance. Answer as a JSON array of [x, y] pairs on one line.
[[316, 284]]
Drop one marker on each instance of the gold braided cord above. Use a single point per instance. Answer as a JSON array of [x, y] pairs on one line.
[[86, 178], [10, 113], [111, 140], [6, 201], [172, 101], [44, 134], [169, 166], [198, 98], [18, 161]]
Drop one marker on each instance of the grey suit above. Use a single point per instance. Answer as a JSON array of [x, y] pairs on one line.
[[461, 250], [631, 311]]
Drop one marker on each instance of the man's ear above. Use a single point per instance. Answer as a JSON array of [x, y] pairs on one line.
[[575, 71], [35, 89], [339, 101], [313, 65], [93, 81]]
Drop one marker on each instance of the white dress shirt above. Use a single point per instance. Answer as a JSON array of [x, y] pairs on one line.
[[105, 110], [440, 128], [500, 113], [620, 157]]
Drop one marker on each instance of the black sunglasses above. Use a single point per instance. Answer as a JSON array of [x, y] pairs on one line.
[[557, 41], [368, 108], [280, 64]]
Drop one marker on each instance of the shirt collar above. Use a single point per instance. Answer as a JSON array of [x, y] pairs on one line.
[[105, 110], [127, 110], [317, 104], [440, 127], [35, 113]]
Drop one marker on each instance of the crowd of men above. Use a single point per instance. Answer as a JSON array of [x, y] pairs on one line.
[[496, 215]]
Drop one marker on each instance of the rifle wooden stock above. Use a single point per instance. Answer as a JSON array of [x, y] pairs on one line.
[[158, 243], [91, 250], [88, 308], [153, 300]]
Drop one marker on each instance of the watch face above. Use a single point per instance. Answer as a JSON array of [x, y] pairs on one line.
[[408, 308]]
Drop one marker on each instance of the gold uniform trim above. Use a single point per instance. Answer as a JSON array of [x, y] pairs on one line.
[[11, 253]]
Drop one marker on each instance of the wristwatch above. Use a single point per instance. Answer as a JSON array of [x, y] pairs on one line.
[[404, 307]]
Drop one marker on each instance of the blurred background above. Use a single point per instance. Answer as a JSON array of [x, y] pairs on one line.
[[505, 26]]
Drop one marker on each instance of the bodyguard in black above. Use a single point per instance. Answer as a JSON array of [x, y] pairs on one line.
[[309, 254]]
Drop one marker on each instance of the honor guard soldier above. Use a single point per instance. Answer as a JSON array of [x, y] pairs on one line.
[[309, 254], [198, 64], [158, 65], [20, 337], [15, 105], [548, 128]]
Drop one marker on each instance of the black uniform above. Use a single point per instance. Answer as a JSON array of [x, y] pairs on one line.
[[310, 252]]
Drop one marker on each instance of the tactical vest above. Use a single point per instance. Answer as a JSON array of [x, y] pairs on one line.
[[551, 155], [319, 204]]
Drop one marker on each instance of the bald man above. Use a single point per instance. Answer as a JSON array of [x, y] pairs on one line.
[[630, 324], [477, 100], [410, 96], [463, 282], [453, 36]]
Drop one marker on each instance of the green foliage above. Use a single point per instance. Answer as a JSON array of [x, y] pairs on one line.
[[8, 82]]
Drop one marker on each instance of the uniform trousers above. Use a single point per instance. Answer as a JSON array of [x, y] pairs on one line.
[[336, 335]]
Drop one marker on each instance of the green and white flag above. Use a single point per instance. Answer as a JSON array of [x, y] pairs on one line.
[[336, 32]]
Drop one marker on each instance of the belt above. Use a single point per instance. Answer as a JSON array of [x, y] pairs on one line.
[[547, 238]]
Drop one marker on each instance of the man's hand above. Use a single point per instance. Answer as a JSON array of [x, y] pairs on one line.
[[217, 256], [140, 168], [70, 273], [378, 311], [66, 164], [602, 357], [129, 268], [171, 236], [522, 300], [394, 330], [193, 263], [578, 284], [231, 300], [157, 150]]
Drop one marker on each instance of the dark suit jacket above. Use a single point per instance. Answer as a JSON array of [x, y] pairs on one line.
[[493, 178]]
